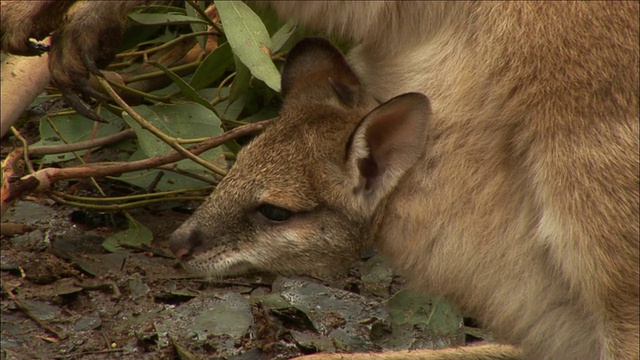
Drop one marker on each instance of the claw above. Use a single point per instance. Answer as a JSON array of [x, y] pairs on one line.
[[82, 85], [95, 94], [80, 106], [90, 64]]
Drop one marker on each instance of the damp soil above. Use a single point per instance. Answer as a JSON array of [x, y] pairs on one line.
[[65, 297]]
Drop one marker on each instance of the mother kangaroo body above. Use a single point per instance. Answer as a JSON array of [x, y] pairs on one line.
[[523, 206]]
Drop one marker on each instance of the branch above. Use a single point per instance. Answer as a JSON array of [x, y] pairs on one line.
[[82, 145], [12, 187]]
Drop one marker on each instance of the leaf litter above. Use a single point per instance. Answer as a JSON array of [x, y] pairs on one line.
[[141, 304]]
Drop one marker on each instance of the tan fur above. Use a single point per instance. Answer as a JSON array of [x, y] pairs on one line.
[[464, 353], [523, 208], [482, 352]]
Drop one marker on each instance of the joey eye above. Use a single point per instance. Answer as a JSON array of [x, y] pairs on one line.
[[274, 213]]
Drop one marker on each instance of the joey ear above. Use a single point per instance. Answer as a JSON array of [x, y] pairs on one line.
[[386, 143], [315, 69]]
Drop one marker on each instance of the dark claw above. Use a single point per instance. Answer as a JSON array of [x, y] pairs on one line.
[[83, 86], [87, 89], [80, 106], [90, 64]]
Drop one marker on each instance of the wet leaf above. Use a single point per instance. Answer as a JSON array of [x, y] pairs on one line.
[[87, 322], [271, 301], [68, 129], [184, 86], [249, 38], [343, 316], [138, 288], [376, 276], [135, 236], [183, 353], [101, 264], [184, 120], [230, 316], [212, 67], [174, 296], [164, 19], [282, 36], [42, 310], [421, 322], [61, 287], [313, 342]]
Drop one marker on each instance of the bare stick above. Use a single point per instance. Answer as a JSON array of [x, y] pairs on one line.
[[12, 187], [82, 145]]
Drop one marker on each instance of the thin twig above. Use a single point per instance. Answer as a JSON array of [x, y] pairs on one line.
[[82, 145], [162, 194], [25, 144], [127, 206], [28, 312], [12, 187], [206, 16], [166, 45]]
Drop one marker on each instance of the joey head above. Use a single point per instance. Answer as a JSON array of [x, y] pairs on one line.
[[303, 196]]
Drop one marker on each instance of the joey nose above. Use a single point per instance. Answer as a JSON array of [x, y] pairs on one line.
[[184, 242]]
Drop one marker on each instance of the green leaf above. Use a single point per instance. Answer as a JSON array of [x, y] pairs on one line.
[[280, 38], [162, 8], [73, 129], [249, 40], [240, 83], [41, 99], [419, 321], [135, 236], [408, 307], [376, 276], [139, 35], [184, 120], [197, 27], [164, 19], [224, 110], [212, 67], [166, 36], [186, 89]]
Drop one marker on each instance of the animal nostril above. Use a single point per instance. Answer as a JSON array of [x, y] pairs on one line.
[[182, 254], [184, 242]]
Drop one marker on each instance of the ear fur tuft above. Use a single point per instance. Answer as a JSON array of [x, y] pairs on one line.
[[315, 69]]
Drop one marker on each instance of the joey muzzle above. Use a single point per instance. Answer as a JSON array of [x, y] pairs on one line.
[[185, 241]]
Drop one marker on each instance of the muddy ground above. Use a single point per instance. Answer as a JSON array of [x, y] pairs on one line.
[[64, 296]]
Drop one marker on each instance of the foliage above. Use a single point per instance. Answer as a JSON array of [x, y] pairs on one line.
[[191, 73]]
